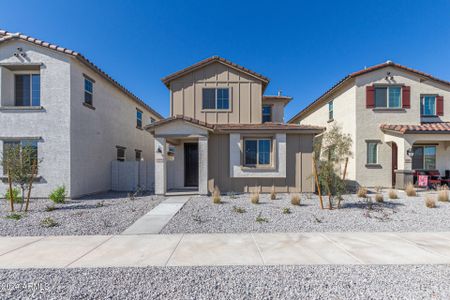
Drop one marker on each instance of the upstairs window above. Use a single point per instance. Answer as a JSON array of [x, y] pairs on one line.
[[88, 91], [27, 90], [267, 113], [330, 110], [428, 105], [138, 118], [388, 97], [257, 152], [216, 98]]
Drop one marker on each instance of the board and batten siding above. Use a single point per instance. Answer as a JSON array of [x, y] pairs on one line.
[[299, 149], [245, 95]]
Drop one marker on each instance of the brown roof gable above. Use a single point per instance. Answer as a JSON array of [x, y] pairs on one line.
[[8, 36], [166, 80], [442, 127], [358, 73]]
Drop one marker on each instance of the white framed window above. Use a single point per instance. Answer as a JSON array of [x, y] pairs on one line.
[[388, 96], [27, 89], [120, 153], [428, 105], [372, 152], [330, 110], [88, 91], [138, 118], [216, 98], [266, 113], [257, 152]]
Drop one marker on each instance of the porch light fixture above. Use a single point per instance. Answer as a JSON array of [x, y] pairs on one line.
[[159, 150], [410, 152]]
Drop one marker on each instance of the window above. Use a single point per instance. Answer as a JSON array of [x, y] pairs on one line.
[[120, 153], [372, 155], [152, 120], [27, 90], [424, 158], [88, 91], [138, 118], [257, 152], [267, 113], [428, 105], [30, 144], [138, 154], [330, 110], [388, 97], [216, 98]]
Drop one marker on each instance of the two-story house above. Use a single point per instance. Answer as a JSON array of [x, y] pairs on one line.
[[76, 116], [223, 131], [398, 118]]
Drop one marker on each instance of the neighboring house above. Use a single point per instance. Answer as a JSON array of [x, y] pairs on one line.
[[77, 117], [398, 118], [222, 131]]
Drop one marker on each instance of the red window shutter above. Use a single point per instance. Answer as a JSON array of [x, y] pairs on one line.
[[370, 97], [440, 105], [406, 97]]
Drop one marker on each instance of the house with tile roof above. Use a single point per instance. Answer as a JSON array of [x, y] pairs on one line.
[[223, 131], [399, 121], [76, 117]]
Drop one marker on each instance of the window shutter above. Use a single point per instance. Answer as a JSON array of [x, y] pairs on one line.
[[370, 97], [440, 105], [406, 97]]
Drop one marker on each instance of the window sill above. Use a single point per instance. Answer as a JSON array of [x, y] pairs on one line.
[[266, 169], [429, 116], [4, 179], [330, 120], [22, 108], [387, 109], [216, 110], [88, 105], [373, 166]]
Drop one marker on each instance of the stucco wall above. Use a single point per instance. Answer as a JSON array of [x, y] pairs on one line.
[[245, 95], [51, 124]]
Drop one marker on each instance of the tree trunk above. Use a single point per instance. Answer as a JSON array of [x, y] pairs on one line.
[[11, 196], [23, 197], [30, 185], [317, 183], [343, 181]]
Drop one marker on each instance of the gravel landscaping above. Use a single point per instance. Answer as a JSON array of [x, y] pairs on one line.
[[108, 213], [250, 282], [237, 214]]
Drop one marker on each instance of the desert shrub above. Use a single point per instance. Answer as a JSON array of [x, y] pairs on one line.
[[295, 199], [273, 195], [286, 210], [58, 195], [261, 219], [443, 194], [362, 192], [410, 190], [50, 208], [379, 197], [100, 204], [232, 195], [16, 195], [392, 194], [48, 222], [238, 209], [216, 195], [430, 202], [254, 197], [14, 216]]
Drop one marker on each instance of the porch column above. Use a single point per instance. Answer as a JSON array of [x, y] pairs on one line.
[[203, 165], [160, 166], [404, 173]]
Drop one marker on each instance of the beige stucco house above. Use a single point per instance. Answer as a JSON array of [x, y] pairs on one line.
[[223, 131], [398, 118]]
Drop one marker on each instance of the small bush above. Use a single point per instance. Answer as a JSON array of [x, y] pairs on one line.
[[100, 204], [216, 195], [238, 209], [49, 222], [16, 195], [362, 192], [58, 195], [430, 202], [232, 195], [50, 208], [254, 197], [410, 190], [286, 210], [393, 194], [260, 219], [443, 194], [379, 197], [14, 216], [295, 199], [273, 195]]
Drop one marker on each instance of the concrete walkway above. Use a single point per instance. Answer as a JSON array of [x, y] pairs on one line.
[[155, 220], [224, 249]]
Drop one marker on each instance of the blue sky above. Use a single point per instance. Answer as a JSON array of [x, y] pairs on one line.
[[304, 47]]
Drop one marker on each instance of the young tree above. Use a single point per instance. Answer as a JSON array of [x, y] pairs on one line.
[[332, 150], [21, 163]]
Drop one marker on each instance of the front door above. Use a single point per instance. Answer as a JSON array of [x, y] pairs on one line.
[[394, 162], [191, 164]]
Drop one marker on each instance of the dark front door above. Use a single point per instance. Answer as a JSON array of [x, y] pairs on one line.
[[394, 162], [190, 164]]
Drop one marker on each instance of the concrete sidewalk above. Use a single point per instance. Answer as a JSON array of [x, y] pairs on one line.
[[224, 249]]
